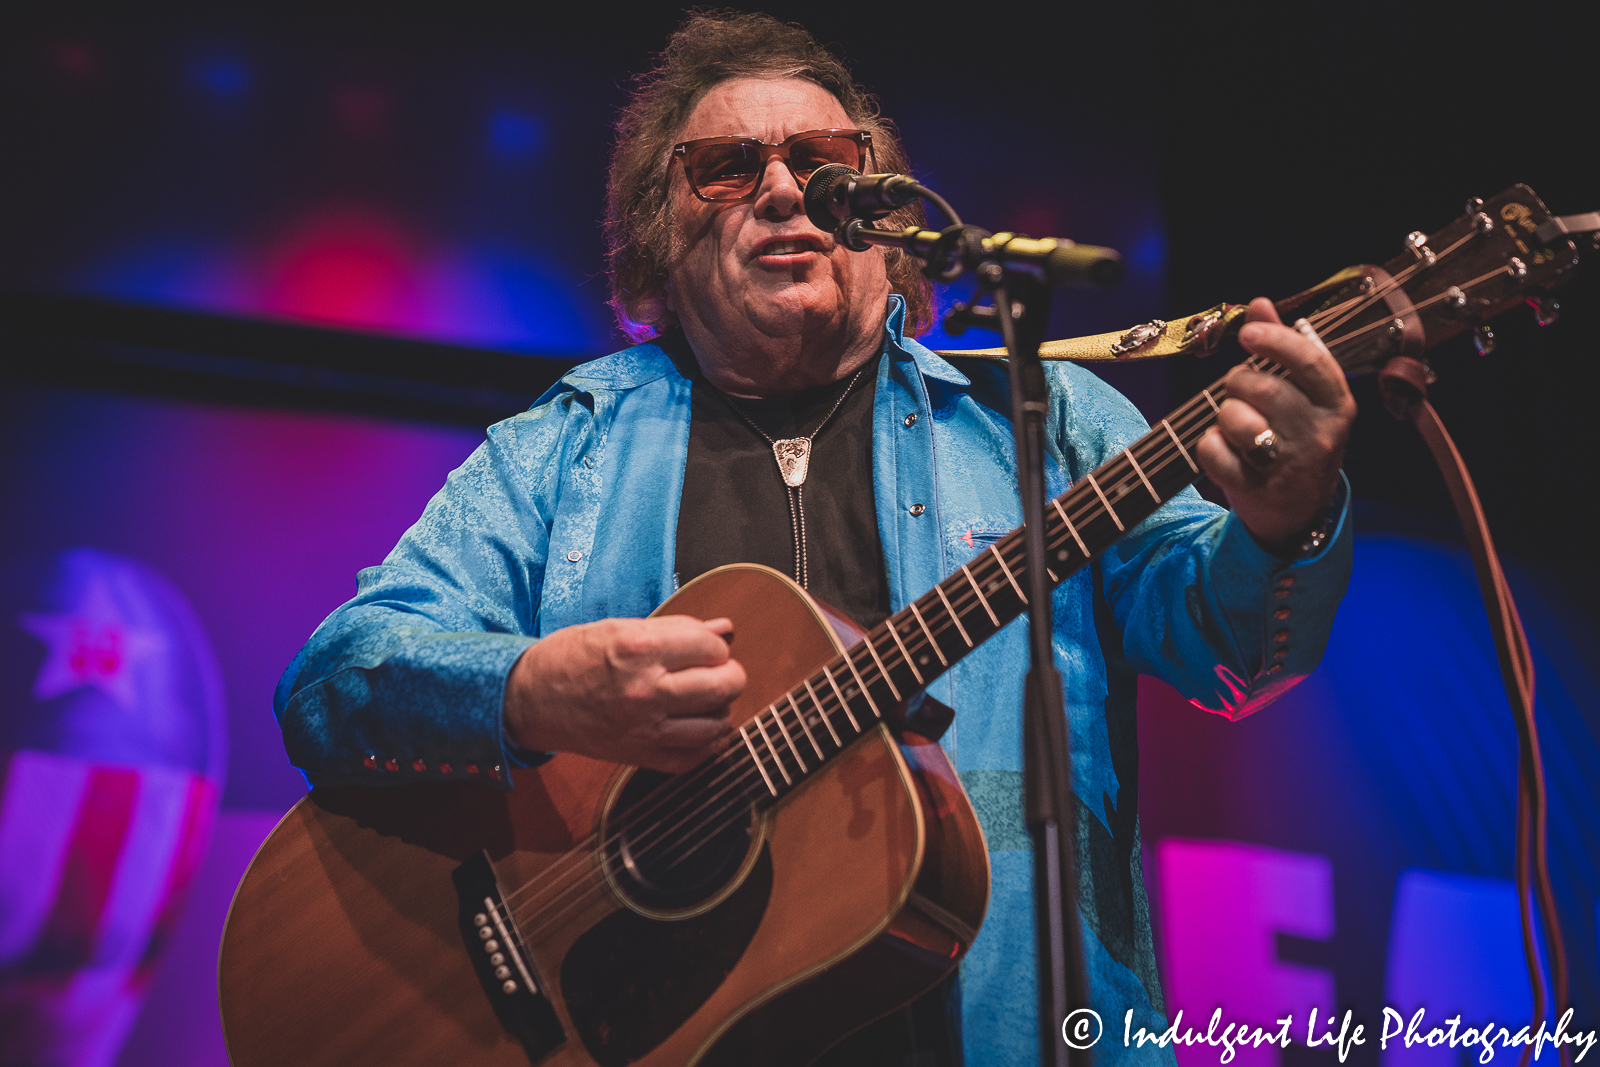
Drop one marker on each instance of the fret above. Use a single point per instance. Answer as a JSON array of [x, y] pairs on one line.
[[862, 686], [1054, 578], [981, 598], [1140, 471], [1071, 529], [962, 630], [937, 651], [1213, 400], [1009, 577], [824, 715], [805, 727], [775, 757], [1109, 509], [759, 765], [779, 720], [812, 693], [843, 703], [1181, 449], [889, 622], [867, 640]]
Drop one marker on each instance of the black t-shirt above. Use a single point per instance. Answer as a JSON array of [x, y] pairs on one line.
[[736, 508]]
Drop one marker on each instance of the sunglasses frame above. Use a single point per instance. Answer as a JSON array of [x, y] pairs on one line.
[[767, 153]]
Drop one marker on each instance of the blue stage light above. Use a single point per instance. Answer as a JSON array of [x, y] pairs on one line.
[[515, 136], [222, 76]]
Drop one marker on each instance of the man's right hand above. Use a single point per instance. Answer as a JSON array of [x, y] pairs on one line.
[[648, 692]]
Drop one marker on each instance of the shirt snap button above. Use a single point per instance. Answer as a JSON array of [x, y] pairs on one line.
[[574, 556], [917, 509], [911, 419]]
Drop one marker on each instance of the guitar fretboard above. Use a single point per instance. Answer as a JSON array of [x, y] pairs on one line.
[[793, 737]]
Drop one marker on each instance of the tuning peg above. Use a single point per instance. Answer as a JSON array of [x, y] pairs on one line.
[[1480, 222], [1545, 310], [1417, 244], [1483, 338]]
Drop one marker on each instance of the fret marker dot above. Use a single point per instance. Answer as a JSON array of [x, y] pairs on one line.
[[1061, 554], [923, 660]]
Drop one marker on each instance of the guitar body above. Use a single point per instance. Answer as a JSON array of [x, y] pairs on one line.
[[854, 893]]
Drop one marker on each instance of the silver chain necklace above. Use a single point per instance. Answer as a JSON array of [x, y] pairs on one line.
[[794, 463]]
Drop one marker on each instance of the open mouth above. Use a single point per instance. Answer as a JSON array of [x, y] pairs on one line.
[[793, 247]]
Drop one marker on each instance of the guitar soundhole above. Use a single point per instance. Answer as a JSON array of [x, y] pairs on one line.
[[670, 845]]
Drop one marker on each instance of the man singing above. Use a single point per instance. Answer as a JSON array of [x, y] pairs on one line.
[[508, 624]]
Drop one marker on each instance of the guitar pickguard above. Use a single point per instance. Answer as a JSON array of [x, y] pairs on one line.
[[630, 981]]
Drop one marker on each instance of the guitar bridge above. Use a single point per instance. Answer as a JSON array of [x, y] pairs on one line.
[[500, 961]]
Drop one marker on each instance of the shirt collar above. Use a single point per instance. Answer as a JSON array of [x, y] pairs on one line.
[[929, 363]]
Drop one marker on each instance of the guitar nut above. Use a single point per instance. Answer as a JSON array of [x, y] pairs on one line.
[[509, 987], [480, 919], [497, 959], [484, 934], [491, 945], [502, 972]]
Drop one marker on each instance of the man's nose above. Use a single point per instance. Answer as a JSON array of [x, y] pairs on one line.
[[781, 195]]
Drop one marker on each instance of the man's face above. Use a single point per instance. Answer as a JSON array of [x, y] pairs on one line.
[[758, 270]]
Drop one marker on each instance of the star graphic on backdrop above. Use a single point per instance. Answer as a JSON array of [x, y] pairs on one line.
[[91, 644]]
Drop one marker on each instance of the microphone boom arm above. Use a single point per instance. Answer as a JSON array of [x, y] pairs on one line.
[[951, 252]]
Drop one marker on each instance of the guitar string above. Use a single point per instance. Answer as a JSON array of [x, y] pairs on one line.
[[1163, 456], [967, 602], [741, 812], [1157, 462], [683, 835], [1397, 281], [1086, 516]]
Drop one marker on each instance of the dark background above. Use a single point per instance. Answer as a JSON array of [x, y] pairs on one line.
[[1281, 143], [237, 164]]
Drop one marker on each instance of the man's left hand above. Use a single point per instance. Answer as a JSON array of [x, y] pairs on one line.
[[1309, 413]]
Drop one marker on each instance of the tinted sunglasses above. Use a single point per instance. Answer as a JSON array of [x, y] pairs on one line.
[[723, 169]]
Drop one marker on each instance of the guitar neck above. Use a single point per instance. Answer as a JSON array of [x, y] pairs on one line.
[[793, 737]]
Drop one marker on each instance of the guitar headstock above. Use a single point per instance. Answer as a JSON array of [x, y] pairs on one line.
[[1445, 283]]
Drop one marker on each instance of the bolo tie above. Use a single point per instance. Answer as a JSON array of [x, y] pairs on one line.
[[794, 463]]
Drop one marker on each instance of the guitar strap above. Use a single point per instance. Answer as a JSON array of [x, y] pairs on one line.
[[1403, 383], [1196, 335]]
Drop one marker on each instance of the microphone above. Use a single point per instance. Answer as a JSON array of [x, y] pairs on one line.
[[838, 198], [838, 191]]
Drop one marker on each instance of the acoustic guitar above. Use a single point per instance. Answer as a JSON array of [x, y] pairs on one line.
[[824, 868]]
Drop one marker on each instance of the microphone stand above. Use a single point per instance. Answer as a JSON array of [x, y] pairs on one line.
[[1020, 279]]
